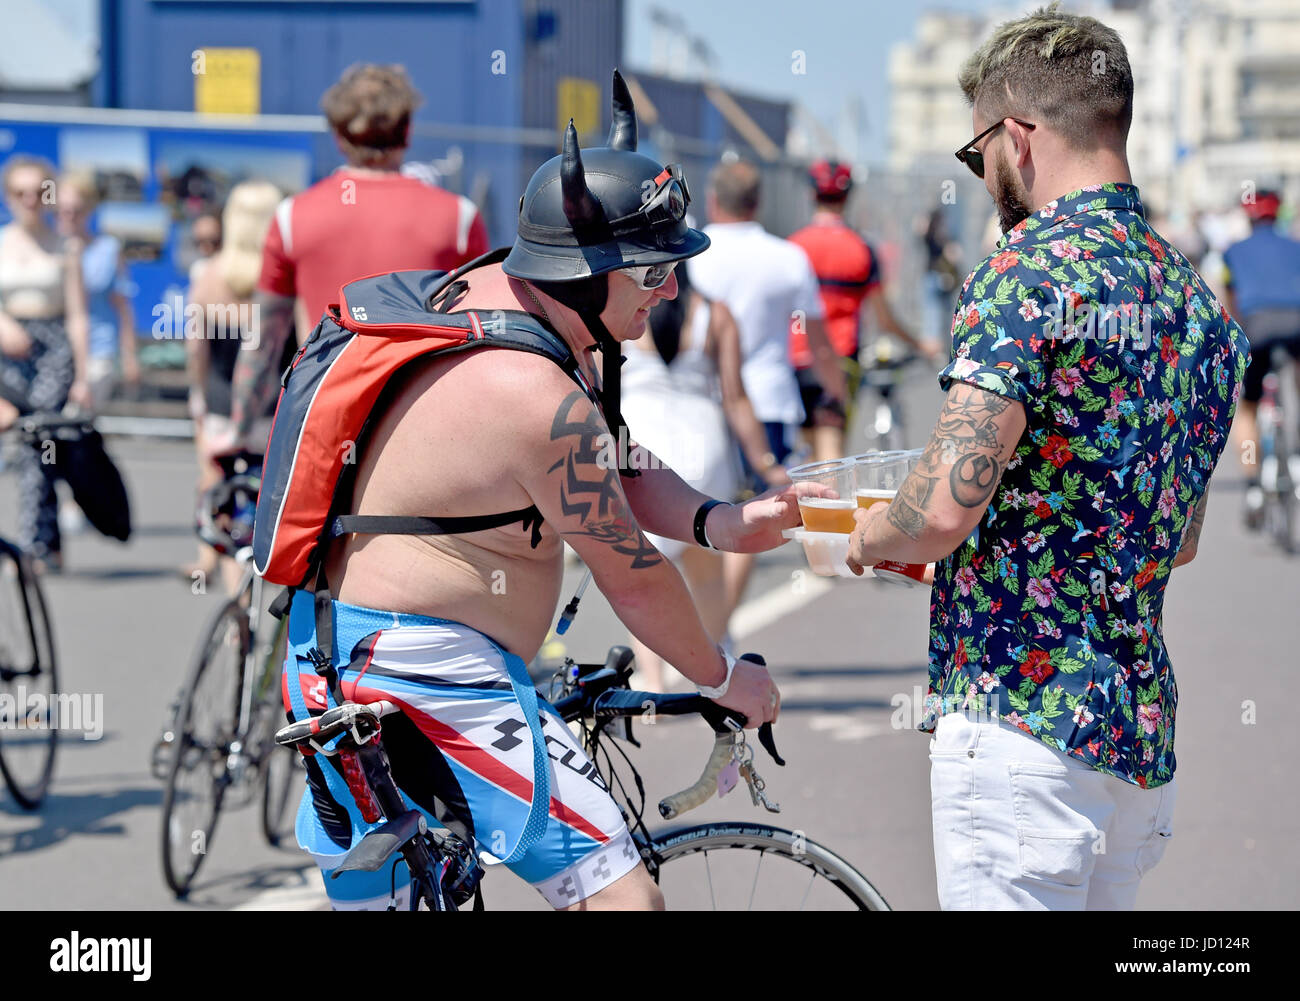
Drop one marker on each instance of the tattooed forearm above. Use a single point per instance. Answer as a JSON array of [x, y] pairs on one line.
[[254, 384], [905, 513], [592, 493], [1192, 532]]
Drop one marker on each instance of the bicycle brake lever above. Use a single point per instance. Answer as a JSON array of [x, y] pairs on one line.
[[769, 743]]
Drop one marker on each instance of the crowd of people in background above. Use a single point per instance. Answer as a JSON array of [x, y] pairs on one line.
[[745, 371]]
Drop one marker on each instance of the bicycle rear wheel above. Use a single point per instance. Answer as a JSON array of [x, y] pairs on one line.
[[738, 866], [206, 721], [29, 682]]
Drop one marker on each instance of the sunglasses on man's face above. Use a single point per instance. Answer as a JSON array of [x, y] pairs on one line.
[[974, 157], [651, 276]]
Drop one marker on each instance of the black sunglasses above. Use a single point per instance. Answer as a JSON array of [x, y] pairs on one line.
[[974, 158]]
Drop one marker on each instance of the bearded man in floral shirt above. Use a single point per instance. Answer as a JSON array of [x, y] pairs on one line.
[[1093, 381]]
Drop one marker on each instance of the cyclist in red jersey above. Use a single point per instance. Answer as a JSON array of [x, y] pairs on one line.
[[849, 278], [364, 218]]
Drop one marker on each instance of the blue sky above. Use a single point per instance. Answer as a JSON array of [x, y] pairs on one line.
[[847, 44]]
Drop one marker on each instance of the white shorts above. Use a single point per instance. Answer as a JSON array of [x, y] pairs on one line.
[[1021, 826]]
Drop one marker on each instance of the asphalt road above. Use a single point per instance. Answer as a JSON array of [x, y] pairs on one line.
[[848, 655]]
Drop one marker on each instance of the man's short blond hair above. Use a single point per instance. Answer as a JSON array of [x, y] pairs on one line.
[[370, 111], [1066, 70]]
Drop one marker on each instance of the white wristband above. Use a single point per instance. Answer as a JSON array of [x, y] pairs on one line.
[[721, 690]]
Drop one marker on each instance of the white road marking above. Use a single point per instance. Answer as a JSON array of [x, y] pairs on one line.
[[777, 603]]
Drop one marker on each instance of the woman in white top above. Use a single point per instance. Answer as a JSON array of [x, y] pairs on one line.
[[682, 398], [43, 339]]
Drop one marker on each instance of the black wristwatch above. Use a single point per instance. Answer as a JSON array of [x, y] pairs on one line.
[[700, 517]]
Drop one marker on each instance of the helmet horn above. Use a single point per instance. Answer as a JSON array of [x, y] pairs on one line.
[[580, 206], [622, 133]]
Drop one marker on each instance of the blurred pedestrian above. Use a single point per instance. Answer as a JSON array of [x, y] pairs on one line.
[[849, 279], [205, 238], [43, 335], [767, 283], [364, 218], [1262, 274], [223, 291], [942, 274], [112, 340], [681, 392]]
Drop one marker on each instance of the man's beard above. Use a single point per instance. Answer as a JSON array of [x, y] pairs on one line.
[[1011, 207]]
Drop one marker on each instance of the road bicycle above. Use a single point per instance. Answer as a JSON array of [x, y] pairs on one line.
[[880, 371], [218, 749], [29, 674], [721, 865], [1277, 466], [29, 681]]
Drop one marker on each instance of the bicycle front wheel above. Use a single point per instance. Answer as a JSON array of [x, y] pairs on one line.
[[29, 682], [197, 776], [737, 866]]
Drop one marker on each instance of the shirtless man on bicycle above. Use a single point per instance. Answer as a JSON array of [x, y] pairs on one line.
[[446, 622]]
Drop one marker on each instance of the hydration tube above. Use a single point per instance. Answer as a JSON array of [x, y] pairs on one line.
[[571, 609]]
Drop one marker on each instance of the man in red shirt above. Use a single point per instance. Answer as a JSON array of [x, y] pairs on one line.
[[849, 277], [366, 217]]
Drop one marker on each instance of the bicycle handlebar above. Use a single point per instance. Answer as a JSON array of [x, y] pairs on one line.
[[598, 698]]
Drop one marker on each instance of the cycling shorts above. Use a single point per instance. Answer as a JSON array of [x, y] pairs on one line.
[[460, 752], [1267, 329]]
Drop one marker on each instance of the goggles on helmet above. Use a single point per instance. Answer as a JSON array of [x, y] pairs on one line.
[[666, 203]]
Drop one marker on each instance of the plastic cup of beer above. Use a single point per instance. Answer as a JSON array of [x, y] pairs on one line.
[[879, 475], [832, 512]]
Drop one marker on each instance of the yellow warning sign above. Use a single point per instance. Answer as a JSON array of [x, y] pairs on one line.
[[580, 100], [227, 81]]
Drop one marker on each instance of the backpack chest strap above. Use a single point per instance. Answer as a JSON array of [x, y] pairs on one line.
[[375, 524]]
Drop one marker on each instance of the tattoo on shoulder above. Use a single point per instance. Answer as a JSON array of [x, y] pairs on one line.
[[592, 493]]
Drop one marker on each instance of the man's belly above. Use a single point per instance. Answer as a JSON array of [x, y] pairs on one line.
[[509, 596]]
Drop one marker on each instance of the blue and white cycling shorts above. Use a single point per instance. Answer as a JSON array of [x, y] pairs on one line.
[[461, 737]]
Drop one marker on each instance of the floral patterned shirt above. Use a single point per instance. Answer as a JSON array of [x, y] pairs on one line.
[[1129, 371]]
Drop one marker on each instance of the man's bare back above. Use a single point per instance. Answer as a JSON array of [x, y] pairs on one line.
[[447, 446]]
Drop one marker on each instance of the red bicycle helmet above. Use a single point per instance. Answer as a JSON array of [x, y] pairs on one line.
[[830, 178], [1264, 207]]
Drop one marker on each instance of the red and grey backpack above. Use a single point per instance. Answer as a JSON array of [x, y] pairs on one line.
[[333, 392]]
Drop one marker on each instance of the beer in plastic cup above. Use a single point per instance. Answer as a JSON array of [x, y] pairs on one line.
[[868, 496], [879, 477], [832, 512], [824, 515]]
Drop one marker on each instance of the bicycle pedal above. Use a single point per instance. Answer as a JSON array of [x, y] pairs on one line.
[[161, 756]]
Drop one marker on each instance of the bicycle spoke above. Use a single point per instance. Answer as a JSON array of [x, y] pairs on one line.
[[754, 889], [811, 880], [709, 870]]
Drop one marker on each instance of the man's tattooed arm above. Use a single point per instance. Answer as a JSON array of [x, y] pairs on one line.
[[1192, 533], [588, 482], [942, 499], [965, 449]]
